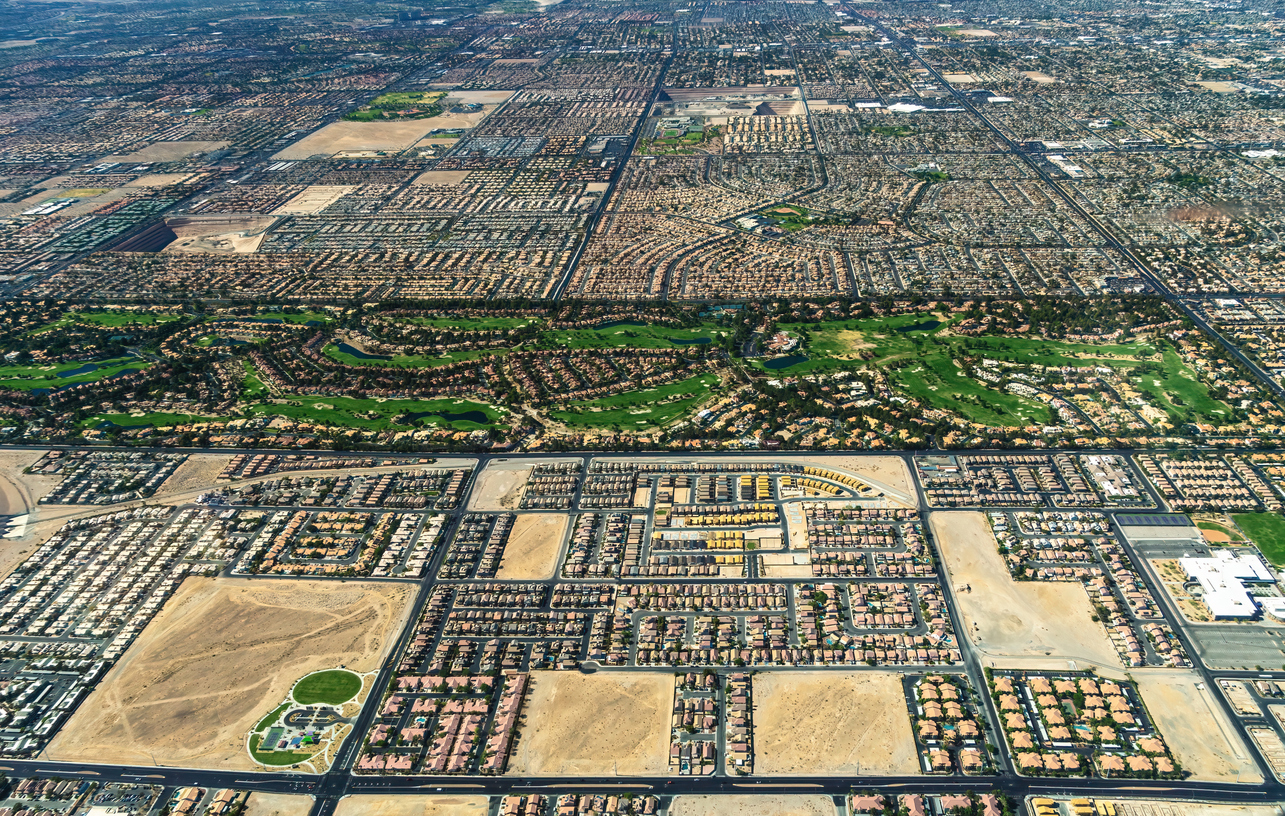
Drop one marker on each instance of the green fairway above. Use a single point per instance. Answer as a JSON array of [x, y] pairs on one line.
[[251, 385], [633, 334], [378, 415], [405, 360], [470, 324], [108, 320], [25, 378], [638, 409], [158, 420], [276, 317], [922, 361], [1179, 393], [1267, 530], [330, 687]]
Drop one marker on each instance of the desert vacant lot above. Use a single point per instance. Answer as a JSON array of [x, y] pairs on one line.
[[393, 137], [1012, 622], [277, 804], [314, 199], [222, 653], [601, 724], [815, 723], [219, 234], [412, 805], [168, 151], [499, 486], [1195, 727], [774, 804], [533, 546], [442, 178]]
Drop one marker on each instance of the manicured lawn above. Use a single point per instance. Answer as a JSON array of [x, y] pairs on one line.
[[405, 360], [330, 687], [637, 409], [108, 320], [276, 317], [933, 375], [25, 378], [271, 718], [634, 335], [1177, 380], [155, 419], [1215, 527], [251, 386], [1267, 530], [376, 415], [275, 757], [470, 323]]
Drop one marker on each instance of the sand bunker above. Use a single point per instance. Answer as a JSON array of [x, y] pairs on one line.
[[1195, 727], [1012, 622], [499, 486], [277, 804], [314, 199], [167, 152], [387, 137], [601, 724], [774, 804], [221, 654], [813, 723], [533, 546], [412, 805]]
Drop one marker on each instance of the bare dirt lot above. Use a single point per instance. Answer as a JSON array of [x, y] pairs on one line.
[[219, 234], [200, 470], [1195, 727], [277, 804], [221, 654], [442, 178], [314, 199], [809, 723], [168, 151], [774, 804], [499, 486], [393, 137], [413, 805], [1012, 622], [606, 723], [1175, 807], [533, 546]]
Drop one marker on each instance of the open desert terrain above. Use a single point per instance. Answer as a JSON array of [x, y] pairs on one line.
[[1016, 624], [774, 804], [221, 654], [277, 804], [533, 546], [1195, 727], [601, 724], [413, 805], [831, 723]]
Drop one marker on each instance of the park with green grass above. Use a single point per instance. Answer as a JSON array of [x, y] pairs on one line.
[[332, 687], [633, 410], [1267, 531]]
